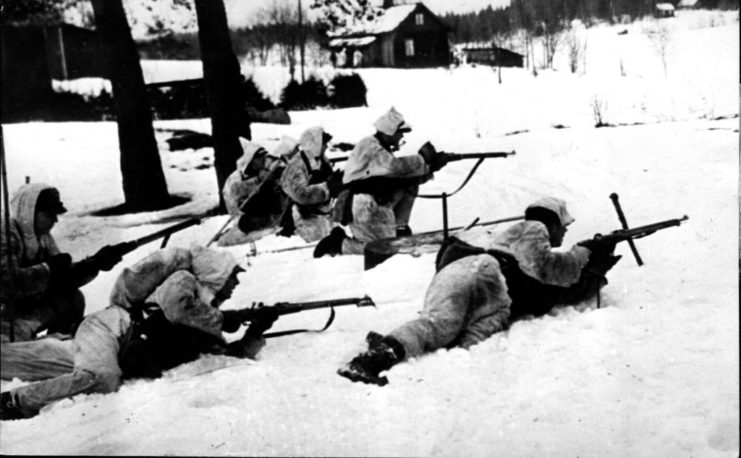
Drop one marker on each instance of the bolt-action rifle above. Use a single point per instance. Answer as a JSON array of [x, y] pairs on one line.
[[452, 157], [123, 248], [286, 308]]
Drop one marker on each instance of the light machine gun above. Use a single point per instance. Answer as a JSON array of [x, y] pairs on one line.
[[606, 243]]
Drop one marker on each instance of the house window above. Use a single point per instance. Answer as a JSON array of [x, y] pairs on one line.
[[409, 47], [419, 19]]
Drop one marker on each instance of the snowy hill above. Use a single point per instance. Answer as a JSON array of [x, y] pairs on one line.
[[653, 372]]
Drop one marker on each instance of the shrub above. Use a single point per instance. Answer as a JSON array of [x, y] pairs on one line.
[[348, 91], [254, 97], [311, 94]]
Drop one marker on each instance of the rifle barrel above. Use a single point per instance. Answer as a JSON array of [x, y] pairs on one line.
[[643, 231], [165, 232], [335, 160], [295, 307], [461, 156]]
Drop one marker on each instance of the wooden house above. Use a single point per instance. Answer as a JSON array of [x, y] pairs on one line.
[[662, 10], [491, 55], [404, 36]]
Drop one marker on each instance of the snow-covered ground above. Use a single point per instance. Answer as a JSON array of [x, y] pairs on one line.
[[653, 372]]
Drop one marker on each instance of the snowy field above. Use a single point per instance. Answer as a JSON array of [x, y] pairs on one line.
[[654, 372]]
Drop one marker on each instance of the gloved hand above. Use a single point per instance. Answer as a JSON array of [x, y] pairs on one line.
[[602, 246], [59, 268], [434, 159], [427, 151], [438, 161], [232, 320], [246, 347], [82, 272], [261, 319], [334, 183], [107, 257], [601, 264]]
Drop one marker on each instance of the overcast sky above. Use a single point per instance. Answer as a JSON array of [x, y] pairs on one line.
[[241, 12]]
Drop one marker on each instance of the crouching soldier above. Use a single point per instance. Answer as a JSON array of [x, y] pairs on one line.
[[40, 284], [253, 194], [310, 183], [477, 292], [381, 188], [134, 338]]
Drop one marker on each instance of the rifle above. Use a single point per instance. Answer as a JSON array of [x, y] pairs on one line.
[[623, 235], [268, 180], [287, 308], [452, 157], [123, 248]]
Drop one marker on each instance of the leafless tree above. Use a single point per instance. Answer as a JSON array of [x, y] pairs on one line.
[[577, 48], [660, 36], [284, 19]]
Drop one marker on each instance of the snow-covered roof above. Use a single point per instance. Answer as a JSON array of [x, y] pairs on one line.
[[388, 21], [353, 42], [665, 7]]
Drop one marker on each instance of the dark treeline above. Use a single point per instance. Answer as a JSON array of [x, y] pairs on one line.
[[547, 16], [256, 42]]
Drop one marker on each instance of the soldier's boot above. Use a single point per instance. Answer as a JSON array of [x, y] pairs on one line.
[[367, 366], [8, 409], [403, 231], [330, 245]]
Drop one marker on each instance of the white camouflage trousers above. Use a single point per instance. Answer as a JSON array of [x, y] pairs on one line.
[[60, 369], [372, 221], [466, 302]]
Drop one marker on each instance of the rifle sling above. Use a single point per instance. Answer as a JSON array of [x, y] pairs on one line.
[[299, 331], [465, 182]]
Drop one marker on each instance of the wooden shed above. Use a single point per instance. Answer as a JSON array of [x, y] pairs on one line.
[[664, 10], [34, 55], [404, 36], [491, 55]]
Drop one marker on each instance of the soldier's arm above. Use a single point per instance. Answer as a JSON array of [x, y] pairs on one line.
[[296, 185]]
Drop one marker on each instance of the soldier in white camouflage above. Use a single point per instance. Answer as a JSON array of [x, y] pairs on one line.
[[380, 188], [479, 291]]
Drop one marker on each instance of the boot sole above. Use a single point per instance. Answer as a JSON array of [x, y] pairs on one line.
[[357, 377]]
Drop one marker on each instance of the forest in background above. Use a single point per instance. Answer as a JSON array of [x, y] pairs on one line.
[[276, 37]]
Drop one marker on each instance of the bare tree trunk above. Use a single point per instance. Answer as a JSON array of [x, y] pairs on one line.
[[144, 182], [302, 39], [223, 82]]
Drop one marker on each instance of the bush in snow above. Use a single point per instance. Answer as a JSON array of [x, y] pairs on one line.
[[599, 107], [310, 94], [348, 91]]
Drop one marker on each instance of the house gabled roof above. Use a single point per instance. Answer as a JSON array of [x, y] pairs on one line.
[[387, 22]]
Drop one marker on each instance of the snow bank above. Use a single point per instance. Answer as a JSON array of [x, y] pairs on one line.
[[653, 372]]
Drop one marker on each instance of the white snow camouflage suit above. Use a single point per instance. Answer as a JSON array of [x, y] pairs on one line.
[[36, 308], [182, 282], [383, 188], [467, 300], [264, 213], [304, 181]]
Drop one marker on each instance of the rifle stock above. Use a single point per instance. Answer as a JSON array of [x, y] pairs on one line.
[[621, 235]]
